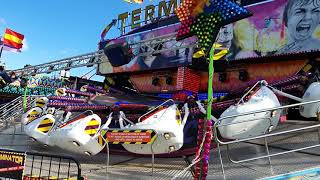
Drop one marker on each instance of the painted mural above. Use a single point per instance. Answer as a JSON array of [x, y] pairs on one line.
[[166, 58], [284, 26], [39, 81]]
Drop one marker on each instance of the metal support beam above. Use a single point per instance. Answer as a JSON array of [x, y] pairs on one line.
[[88, 59], [145, 48]]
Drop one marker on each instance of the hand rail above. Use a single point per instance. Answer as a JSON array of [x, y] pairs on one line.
[[8, 103], [155, 109], [259, 82], [17, 104], [14, 109], [72, 118]]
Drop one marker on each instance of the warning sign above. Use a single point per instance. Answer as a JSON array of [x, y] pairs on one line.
[[117, 136], [11, 164]]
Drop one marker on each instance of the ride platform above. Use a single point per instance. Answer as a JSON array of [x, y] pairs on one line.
[[304, 164]]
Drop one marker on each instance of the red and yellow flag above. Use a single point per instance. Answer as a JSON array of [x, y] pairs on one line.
[[13, 39]]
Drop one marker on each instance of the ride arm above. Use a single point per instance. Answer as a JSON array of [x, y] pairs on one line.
[[203, 110], [125, 118], [186, 114], [67, 116], [5, 77], [121, 121], [106, 125], [281, 93]]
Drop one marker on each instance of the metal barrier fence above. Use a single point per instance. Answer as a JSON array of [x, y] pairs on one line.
[[13, 110], [264, 136], [47, 166]]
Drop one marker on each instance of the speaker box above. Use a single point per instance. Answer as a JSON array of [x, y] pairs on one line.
[[117, 54], [155, 81], [243, 75], [222, 76]]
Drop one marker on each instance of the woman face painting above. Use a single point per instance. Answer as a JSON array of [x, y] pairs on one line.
[[225, 35]]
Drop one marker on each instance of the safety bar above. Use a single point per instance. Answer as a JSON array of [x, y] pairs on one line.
[[13, 107], [18, 99], [285, 94], [14, 110], [259, 82], [76, 116], [8, 103], [155, 108], [59, 123], [220, 125]]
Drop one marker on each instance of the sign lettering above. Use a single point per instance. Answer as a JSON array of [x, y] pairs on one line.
[[137, 136], [129, 136], [139, 17], [11, 165]]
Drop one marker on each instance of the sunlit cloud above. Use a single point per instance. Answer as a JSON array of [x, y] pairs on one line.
[[3, 21], [68, 51], [25, 46]]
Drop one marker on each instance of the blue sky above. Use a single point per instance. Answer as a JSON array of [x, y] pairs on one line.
[[58, 29]]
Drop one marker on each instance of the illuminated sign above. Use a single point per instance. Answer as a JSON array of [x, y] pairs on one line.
[[151, 13], [11, 165]]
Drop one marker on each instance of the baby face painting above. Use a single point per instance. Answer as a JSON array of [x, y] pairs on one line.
[[303, 17]]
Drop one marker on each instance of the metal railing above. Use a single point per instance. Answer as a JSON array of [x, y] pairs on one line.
[[8, 103], [13, 110], [155, 109], [263, 136]]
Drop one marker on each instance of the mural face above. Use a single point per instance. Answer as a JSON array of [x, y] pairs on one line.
[[302, 19], [225, 36], [276, 27]]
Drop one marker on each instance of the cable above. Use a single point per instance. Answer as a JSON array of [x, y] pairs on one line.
[[89, 72]]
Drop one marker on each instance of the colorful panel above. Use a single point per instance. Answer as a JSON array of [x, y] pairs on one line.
[[204, 19], [117, 136], [165, 59], [101, 141], [92, 127], [45, 125], [34, 114], [279, 29], [40, 103]]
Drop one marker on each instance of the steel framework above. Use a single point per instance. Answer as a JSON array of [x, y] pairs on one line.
[[89, 59], [145, 47]]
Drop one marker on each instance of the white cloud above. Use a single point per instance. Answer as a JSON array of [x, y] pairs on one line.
[[68, 51], [25, 46], [3, 21], [65, 51]]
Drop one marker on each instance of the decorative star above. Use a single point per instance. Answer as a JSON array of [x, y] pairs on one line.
[[204, 19]]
